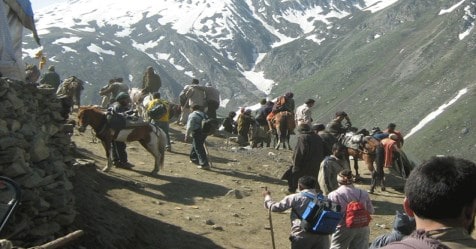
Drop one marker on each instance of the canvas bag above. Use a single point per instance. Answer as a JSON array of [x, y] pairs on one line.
[[321, 215], [157, 111], [209, 125], [356, 215]]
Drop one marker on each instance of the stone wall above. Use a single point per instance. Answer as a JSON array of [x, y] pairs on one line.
[[36, 152]]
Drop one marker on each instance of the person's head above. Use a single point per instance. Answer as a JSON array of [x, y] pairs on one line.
[[310, 102], [119, 79], [150, 70], [263, 101], [306, 182], [231, 114], [443, 189], [318, 127], [51, 68], [345, 177], [123, 98], [341, 114], [391, 127], [338, 150], [156, 95], [195, 81], [195, 108], [303, 128], [289, 95], [247, 112]]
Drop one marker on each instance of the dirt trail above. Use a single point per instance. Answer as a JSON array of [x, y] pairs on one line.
[[186, 207]]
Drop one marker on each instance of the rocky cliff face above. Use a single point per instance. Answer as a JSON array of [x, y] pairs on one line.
[[35, 151]]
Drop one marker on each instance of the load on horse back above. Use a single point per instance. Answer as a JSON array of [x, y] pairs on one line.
[[283, 123], [360, 145], [71, 88], [152, 138]]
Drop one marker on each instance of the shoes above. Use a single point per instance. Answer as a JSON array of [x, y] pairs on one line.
[[206, 167], [122, 165]]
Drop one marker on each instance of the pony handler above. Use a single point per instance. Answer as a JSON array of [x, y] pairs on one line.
[[152, 138]]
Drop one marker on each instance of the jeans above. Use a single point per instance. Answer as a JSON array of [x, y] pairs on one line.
[[198, 154]]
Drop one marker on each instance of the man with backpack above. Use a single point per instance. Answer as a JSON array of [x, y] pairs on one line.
[[198, 154], [158, 111], [298, 202], [441, 195], [353, 231]]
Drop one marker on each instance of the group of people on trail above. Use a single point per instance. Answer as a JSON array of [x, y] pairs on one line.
[[439, 205]]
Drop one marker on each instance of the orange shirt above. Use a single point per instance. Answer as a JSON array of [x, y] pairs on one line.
[[388, 145]]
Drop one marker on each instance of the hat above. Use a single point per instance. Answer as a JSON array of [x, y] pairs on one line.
[[391, 125], [303, 128], [318, 127], [51, 68], [122, 95], [341, 113], [309, 101], [263, 101], [345, 177], [195, 81]]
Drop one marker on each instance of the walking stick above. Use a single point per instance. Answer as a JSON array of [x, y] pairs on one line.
[[208, 154], [270, 223]]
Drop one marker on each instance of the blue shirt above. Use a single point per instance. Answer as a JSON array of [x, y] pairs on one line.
[[194, 121]]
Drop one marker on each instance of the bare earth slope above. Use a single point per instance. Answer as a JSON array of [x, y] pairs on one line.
[[186, 207]]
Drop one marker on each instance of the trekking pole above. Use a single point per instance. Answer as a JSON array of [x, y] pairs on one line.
[[270, 223], [208, 154]]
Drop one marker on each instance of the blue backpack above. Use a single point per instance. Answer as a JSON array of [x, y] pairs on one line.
[[321, 215]]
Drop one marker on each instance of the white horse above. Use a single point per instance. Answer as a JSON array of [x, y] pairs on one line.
[[141, 106]]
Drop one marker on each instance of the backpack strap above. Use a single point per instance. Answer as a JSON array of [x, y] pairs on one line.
[[310, 196]]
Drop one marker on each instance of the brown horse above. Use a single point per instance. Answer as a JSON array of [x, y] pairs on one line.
[[152, 138], [365, 151], [284, 124], [71, 88]]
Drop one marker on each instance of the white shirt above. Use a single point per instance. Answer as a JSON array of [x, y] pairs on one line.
[[303, 115]]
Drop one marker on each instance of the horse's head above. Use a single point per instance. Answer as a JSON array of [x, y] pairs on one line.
[[82, 119], [90, 115]]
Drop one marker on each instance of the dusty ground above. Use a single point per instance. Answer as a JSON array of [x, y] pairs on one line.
[[186, 207]]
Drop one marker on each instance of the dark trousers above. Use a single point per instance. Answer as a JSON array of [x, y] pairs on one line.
[[198, 154], [212, 107], [165, 127], [118, 150]]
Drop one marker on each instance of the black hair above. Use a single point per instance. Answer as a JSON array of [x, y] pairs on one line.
[[338, 146], [440, 187], [307, 182], [231, 114]]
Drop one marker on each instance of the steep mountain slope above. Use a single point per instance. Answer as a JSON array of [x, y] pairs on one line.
[[381, 61]]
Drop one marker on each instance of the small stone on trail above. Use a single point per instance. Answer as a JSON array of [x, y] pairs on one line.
[[195, 207], [218, 228], [178, 208], [209, 222]]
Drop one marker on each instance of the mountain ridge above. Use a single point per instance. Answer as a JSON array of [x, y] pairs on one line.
[[381, 65]]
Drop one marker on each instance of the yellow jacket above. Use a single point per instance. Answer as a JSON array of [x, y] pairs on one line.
[[152, 103]]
